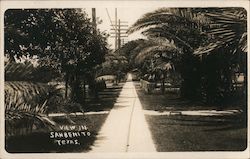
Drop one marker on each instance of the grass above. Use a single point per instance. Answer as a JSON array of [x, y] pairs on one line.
[[171, 134], [40, 142], [105, 100], [172, 101], [192, 133]]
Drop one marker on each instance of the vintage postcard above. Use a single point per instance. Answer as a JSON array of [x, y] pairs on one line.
[[124, 79]]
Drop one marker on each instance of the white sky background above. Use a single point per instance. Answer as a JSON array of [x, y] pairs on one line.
[[129, 15]]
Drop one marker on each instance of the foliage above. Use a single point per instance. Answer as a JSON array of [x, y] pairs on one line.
[[154, 58], [21, 117], [138, 51], [201, 31], [27, 91], [159, 48], [72, 45], [70, 39], [114, 64], [26, 106], [228, 26], [225, 52], [18, 71], [183, 27], [26, 71], [160, 56]]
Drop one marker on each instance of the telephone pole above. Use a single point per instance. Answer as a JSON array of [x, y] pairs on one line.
[[115, 28], [120, 28], [119, 34], [94, 19]]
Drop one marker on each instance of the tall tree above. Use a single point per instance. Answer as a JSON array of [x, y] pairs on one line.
[[202, 31], [184, 27], [225, 52], [61, 38]]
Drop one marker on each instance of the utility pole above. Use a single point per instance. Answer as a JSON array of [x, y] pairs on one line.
[[120, 28], [119, 34], [94, 19], [115, 28]]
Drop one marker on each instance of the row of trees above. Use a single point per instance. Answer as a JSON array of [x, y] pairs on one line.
[[206, 46], [115, 64]]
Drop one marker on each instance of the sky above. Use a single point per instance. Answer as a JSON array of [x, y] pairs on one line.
[[130, 15]]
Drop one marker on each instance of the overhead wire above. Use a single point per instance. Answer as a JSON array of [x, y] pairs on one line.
[[110, 19]]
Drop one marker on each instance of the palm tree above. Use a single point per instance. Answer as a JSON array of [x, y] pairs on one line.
[[29, 98], [200, 31], [184, 27], [154, 57], [227, 45]]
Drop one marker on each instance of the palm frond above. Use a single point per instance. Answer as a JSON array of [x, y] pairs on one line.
[[164, 31], [26, 90], [18, 71], [24, 112], [227, 27], [18, 111], [159, 47], [243, 42], [171, 16]]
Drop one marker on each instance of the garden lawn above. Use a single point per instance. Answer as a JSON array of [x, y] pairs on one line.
[[192, 133], [172, 101], [180, 133], [106, 98], [41, 142]]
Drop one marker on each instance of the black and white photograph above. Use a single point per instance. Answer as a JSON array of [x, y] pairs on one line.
[[124, 78]]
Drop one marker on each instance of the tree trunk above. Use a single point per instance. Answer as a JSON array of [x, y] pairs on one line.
[[84, 91], [66, 85], [163, 85]]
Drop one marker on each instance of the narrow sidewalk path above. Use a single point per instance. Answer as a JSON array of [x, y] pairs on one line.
[[125, 129]]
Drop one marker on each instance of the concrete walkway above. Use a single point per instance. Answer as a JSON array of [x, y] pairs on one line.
[[125, 129]]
